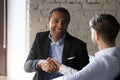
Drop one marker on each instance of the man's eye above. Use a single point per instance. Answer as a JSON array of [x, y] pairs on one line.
[[65, 22], [55, 21]]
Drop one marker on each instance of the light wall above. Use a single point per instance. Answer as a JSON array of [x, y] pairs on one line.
[[17, 50], [81, 11]]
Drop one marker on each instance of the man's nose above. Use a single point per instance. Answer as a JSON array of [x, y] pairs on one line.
[[60, 24]]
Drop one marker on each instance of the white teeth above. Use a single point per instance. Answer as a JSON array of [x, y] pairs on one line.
[[58, 30]]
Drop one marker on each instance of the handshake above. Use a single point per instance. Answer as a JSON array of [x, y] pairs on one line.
[[49, 65]]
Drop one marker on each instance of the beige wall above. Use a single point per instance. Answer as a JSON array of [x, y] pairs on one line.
[[81, 11]]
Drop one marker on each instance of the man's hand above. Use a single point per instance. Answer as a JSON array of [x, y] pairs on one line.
[[57, 63], [48, 65]]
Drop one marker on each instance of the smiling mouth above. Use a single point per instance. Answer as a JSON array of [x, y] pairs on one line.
[[58, 30]]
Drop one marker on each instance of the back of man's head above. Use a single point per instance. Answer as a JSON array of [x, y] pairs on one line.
[[106, 26]]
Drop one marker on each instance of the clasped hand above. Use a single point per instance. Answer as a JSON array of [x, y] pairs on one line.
[[49, 65]]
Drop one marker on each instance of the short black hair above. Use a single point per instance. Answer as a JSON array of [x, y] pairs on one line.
[[60, 9]]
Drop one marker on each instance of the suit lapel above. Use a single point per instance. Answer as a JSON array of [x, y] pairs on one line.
[[66, 49], [46, 48], [44, 42]]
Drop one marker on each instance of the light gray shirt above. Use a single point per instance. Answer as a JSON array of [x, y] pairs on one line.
[[105, 66]]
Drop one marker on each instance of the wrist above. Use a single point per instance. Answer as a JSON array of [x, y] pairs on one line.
[[59, 65], [40, 62]]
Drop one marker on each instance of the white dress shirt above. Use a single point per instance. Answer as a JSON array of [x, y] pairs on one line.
[[105, 66]]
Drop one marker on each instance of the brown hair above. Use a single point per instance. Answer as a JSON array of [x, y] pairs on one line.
[[107, 26]]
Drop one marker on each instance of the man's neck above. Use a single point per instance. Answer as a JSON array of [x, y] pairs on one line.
[[103, 46], [56, 39]]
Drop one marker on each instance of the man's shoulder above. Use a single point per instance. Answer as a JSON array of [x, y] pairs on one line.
[[45, 33], [75, 39]]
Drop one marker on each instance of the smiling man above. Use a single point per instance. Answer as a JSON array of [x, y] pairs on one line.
[[58, 44]]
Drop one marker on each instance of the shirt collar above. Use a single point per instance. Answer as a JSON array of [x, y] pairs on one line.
[[105, 51], [61, 40]]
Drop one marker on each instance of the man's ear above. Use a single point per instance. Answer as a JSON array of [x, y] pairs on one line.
[[47, 22], [97, 37]]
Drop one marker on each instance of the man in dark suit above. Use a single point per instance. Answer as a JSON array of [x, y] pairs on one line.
[[56, 43]]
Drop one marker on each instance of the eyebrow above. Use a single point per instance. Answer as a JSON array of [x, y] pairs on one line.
[[58, 19]]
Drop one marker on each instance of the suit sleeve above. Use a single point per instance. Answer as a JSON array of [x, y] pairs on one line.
[[32, 59]]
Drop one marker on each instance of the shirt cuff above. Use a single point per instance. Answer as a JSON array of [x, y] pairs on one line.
[[65, 70], [40, 61]]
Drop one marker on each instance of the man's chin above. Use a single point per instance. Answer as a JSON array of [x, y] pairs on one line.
[[58, 36], [59, 32]]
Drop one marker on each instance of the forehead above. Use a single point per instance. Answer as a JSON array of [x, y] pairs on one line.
[[59, 15]]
